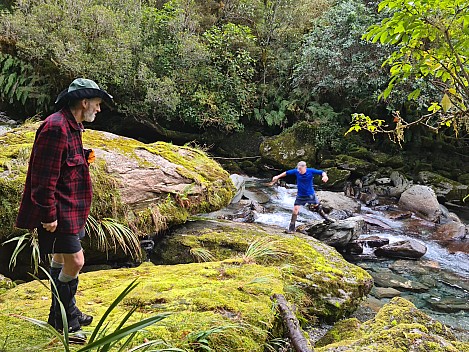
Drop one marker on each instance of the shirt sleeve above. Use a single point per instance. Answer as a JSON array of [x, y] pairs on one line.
[[316, 171], [49, 148], [291, 172]]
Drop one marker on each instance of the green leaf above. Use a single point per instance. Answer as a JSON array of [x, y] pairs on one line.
[[446, 103], [118, 335]]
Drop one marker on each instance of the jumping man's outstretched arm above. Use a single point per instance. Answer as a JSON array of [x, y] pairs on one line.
[[276, 178]]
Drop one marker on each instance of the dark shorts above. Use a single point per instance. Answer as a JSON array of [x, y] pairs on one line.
[[56, 242], [303, 200]]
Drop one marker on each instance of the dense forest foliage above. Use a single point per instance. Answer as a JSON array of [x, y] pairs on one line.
[[193, 65]]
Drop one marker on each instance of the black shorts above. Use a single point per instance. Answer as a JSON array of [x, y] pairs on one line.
[[303, 200], [58, 243]]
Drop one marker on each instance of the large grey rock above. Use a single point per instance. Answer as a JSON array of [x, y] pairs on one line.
[[445, 189], [338, 201], [337, 234], [239, 184], [421, 200], [256, 195], [408, 249]]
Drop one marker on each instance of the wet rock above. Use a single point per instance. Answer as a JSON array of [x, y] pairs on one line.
[[401, 215], [369, 197], [247, 214], [449, 304], [353, 247], [335, 200], [445, 188], [256, 196], [421, 200], [453, 235], [385, 292], [372, 220], [400, 184], [384, 279], [373, 241], [239, 184], [339, 214], [408, 249], [337, 234], [421, 267]]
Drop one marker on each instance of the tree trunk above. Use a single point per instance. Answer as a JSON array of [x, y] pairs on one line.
[[299, 342]]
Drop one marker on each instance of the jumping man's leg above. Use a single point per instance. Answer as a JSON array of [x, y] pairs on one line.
[[296, 210]]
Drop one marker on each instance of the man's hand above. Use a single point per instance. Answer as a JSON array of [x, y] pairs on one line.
[[324, 177], [51, 226]]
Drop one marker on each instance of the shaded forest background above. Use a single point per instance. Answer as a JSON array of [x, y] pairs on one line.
[[184, 70]]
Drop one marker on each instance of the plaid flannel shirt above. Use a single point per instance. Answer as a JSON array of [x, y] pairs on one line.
[[58, 183]]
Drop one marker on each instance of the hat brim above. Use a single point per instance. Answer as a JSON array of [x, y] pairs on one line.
[[86, 93]]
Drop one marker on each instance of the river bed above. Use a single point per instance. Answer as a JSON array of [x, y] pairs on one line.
[[442, 277]]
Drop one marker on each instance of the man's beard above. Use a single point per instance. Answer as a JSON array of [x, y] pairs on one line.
[[89, 116]]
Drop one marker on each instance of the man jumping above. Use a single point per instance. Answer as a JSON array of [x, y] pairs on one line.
[[306, 195]]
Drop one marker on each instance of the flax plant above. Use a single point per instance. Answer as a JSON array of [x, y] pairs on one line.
[[262, 249]]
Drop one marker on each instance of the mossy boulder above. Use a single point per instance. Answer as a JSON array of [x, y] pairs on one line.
[[398, 326], [148, 187], [445, 189], [357, 167], [292, 145], [332, 287], [231, 290], [337, 178], [231, 295]]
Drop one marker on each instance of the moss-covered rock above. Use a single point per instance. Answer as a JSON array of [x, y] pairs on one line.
[[330, 287], [199, 296], [398, 326], [337, 178], [445, 188], [291, 146], [146, 186], [357, 167], [233, 291]]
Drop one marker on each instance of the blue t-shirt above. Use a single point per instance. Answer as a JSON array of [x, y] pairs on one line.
[[305, 181]]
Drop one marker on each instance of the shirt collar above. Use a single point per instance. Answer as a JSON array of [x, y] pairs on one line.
[[71, 119]]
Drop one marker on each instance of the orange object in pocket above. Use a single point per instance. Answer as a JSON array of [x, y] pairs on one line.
[[91, 157]]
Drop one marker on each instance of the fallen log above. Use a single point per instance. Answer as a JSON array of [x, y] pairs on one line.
[[292, 324]]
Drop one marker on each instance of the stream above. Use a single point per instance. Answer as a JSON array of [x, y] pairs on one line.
[[439, 281]]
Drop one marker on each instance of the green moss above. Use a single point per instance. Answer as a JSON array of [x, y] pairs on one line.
[[330, 288], [200, 296], [358, 167], [398, 326], [343, 330], [292, 145]]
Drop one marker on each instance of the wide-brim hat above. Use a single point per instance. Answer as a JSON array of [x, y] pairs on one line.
[[82, 88]]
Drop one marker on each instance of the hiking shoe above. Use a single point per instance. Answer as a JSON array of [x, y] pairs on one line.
[[84, 319]]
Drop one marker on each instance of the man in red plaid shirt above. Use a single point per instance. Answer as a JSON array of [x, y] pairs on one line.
[[57, 194]]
